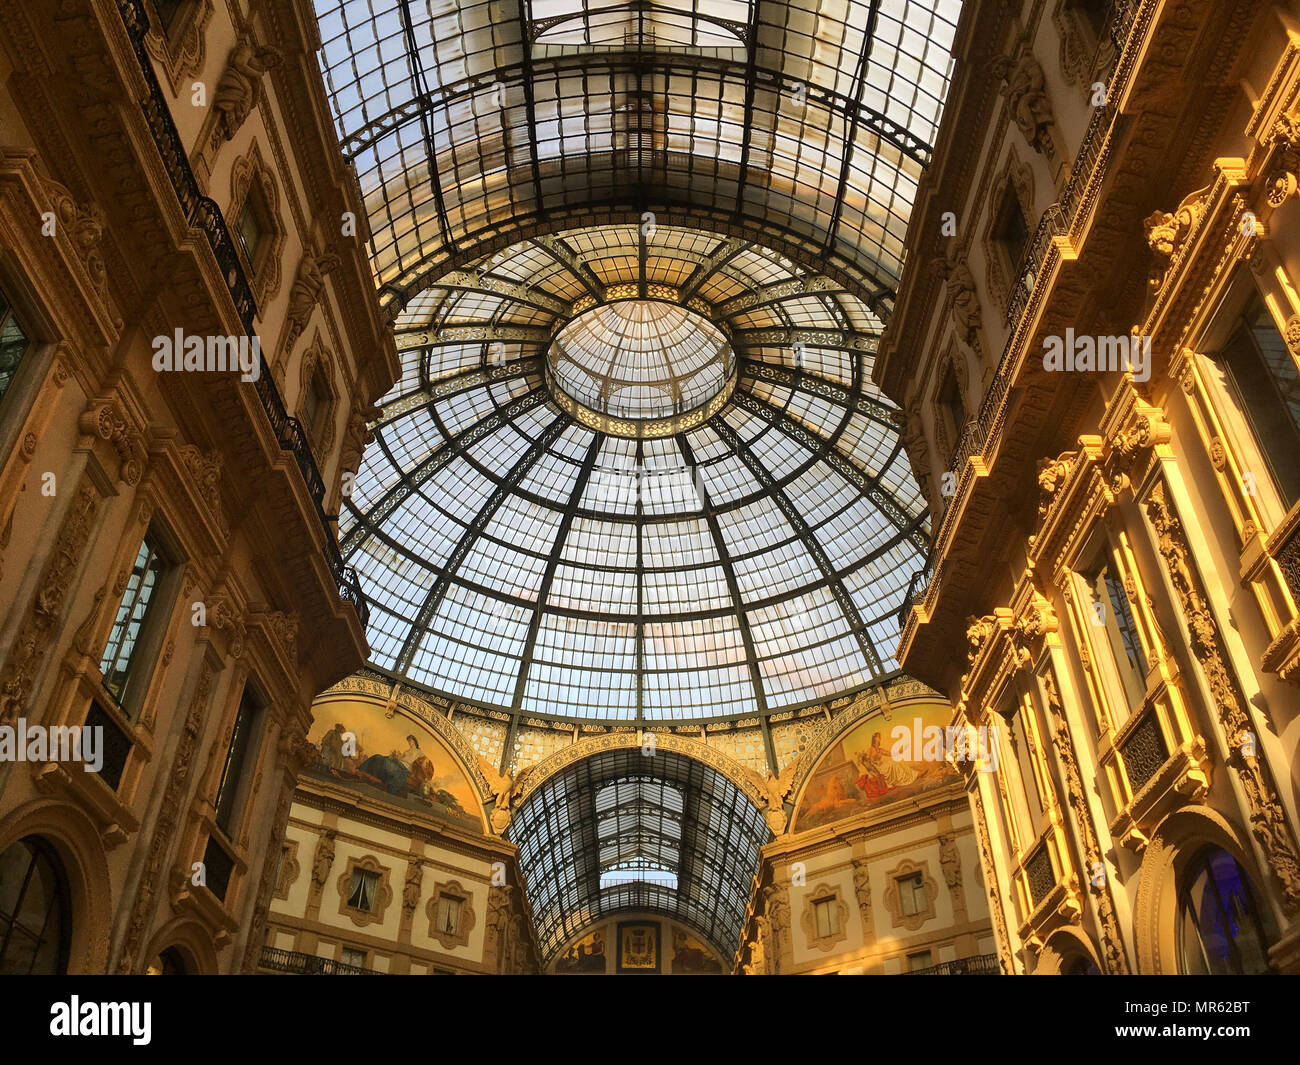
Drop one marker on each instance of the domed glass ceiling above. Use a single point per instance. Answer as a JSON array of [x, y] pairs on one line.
[[686, 220], [643, 361]]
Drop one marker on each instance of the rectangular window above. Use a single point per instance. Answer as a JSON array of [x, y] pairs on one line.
[[911, 894], [13, 345], [1012, 229], [362, 890], [448, 916], [922, 959], [141, 588], [952, 408], [1265, 382], [1115, 631], [1018, 730], [238, 758], [827, 915], [313, 405], [352, 956], [251, 224]]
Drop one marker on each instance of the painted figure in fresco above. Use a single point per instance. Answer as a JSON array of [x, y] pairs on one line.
[[331, 748], [401, 773], [881, 774]]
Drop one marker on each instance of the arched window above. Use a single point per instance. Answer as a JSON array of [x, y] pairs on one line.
[[1080, 966], [1219, 925], [35, 917]]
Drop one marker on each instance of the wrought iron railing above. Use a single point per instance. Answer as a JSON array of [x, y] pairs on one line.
[[204, 214], [293, 961], [976, 965]]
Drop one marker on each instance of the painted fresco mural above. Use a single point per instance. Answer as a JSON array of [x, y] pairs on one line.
[[396, 760], [585, 956], [691, 957], [879, 761]]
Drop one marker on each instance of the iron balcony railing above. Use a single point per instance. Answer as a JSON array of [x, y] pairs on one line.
[[203, 213], [978, 965], [292, 961]]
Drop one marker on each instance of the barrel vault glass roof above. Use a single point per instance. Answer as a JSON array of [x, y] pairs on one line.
[[621, 832], [526, 559]]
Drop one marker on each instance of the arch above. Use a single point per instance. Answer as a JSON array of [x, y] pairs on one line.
[[189, 939], [394, 295], [76, 841], [1178, 839], [624, 830], [1065, 948], [736, 773]]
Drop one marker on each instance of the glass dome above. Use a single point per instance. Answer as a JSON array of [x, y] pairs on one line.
[[519, 558], [633, 366]]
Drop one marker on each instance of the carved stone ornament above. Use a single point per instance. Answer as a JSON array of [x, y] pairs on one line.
[[240, 85], [84, 226], [306, 291], [322, 861], [774, 790], [1112, 941], [223, 616], [169, 812], [104, 419], [862, 890], [1025, 88], [1167, 232], [962, 296], [36, 633], [1284, 171]]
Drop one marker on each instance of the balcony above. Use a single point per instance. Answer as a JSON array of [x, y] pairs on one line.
[[299, 964]]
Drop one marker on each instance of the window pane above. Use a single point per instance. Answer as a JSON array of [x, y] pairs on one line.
[[361, 893], [115, 665], [1112, 617], [13, 345], [236, 757], [1267, 385]]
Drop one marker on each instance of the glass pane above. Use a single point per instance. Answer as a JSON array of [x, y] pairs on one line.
[[115, 664]]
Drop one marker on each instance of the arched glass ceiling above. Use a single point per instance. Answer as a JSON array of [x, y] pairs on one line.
[[621, 831], [738, 559], [517, 558], [468, 120]]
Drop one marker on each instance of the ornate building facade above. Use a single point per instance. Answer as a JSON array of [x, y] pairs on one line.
[[190, 346], [1096, 348]]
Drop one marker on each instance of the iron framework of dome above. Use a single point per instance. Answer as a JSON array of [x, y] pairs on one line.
[[747, 164]]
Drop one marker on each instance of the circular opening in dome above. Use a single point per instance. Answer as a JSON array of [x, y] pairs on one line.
[[641, 368]]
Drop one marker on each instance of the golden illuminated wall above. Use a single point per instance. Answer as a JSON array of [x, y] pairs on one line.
[[1114, 580], [879, 873], [388, 864], [177, 499]]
